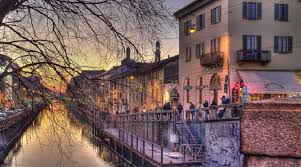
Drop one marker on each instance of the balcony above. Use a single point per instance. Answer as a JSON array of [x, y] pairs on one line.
[[212, 59], [254, 56]]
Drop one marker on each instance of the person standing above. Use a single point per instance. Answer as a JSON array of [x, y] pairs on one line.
[[192, 110], [206, 109], [180, 109]]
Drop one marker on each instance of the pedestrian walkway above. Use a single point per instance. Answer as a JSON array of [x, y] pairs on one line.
[[152, 151]]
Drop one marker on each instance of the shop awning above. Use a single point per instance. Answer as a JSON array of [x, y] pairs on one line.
[[270, 82]]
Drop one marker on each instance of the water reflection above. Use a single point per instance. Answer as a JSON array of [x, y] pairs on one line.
[[55, 139]]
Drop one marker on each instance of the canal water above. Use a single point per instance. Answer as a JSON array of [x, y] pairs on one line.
[[56, 138]]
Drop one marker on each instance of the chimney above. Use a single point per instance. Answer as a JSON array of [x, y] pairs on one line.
[[157, 52], [128, 53]]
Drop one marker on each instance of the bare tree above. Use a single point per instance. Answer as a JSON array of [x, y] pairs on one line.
[[43, 35]]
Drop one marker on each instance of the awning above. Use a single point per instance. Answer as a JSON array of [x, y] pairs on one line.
[[270, 82]]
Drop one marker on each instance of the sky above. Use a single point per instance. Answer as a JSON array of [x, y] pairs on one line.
[[169, 42]]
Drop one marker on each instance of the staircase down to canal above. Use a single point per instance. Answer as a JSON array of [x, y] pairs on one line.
[[164, 138]]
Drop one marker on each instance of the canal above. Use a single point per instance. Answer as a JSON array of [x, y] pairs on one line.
[[56, 138]]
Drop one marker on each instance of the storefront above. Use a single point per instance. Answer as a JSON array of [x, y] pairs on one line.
[[263, 85]]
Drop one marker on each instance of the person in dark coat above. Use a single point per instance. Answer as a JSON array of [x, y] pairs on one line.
[[192, 110], [206, 109], [180, 109]]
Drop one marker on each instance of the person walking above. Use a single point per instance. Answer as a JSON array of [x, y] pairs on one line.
[[192, 110]]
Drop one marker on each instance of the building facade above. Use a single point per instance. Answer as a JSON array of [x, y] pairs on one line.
[[227, 45], [135, 86]]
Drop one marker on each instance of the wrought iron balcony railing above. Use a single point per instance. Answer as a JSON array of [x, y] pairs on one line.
[[254, 56], [212, 59]]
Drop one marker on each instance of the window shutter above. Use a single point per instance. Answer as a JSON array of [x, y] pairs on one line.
[[203, 21], [258, 43], [245, 37], [259, 10], [276, 44], [285, 17], [290, 44], [197, 50], [245, 10], [219, 13], [276, 11], [212, 16], [198, 22]]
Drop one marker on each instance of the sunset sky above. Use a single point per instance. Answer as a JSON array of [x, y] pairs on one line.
[[169, 42]]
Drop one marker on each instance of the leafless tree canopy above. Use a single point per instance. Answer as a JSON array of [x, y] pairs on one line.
[[41, 35]]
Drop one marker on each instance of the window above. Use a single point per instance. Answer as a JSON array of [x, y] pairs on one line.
[[200, 49], [216, 15], [283, 44], [201, 90], [200, 22], [215, 45], [251, 42], [187, 90], [187, 26], [188, 54], [281, 12], [252, 10]]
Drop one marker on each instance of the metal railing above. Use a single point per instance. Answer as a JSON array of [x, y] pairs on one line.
[[212, 59], [255, 56], [9, 121], [141, 145]]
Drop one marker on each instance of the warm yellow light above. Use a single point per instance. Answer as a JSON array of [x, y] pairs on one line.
[[132, 77], [192, 30], [166, 96]]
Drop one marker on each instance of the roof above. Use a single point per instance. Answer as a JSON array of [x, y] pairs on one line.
[[92, 74], [193, 6]]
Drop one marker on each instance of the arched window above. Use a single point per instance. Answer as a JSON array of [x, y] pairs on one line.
[[215, 85], [187, 88], [200, 90]]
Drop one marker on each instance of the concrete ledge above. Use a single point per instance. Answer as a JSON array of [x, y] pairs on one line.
[[254, 161], [272, 128]]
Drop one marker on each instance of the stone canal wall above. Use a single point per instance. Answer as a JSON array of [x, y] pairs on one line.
[[271, 133], [9, 137], [222, 143]]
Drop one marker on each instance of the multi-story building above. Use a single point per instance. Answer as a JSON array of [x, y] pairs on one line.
[[86, 87], [135, 86], [226, 45]]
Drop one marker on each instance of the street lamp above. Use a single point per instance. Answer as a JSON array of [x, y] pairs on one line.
[[132, 77], [192, 30]]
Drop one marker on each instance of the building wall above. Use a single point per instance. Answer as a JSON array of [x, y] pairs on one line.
[[193, 70], [267, 27], [231, 30]]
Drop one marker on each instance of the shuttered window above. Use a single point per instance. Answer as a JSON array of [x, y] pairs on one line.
[[215, 45], [216, 15], [187, 26], [188, 53], [283, 44], [281, 12], [200, 49], [200, 22], [252, 10], [252, 42]]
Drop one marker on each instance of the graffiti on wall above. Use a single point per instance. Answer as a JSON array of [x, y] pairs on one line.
[[223, 148]]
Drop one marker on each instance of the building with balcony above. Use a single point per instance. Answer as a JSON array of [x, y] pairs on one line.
[[226, 45]]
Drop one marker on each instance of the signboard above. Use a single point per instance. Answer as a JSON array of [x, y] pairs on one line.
[[234, 95], [245, 94]]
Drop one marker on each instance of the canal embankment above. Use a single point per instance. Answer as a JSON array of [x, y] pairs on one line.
[[10, 135]]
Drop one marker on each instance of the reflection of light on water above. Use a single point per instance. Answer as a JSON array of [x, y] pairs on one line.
[[55, 140]]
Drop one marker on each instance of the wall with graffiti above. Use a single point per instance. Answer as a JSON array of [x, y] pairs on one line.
[[222, 141]]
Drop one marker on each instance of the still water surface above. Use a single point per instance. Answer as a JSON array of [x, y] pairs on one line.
[[55, 139]]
